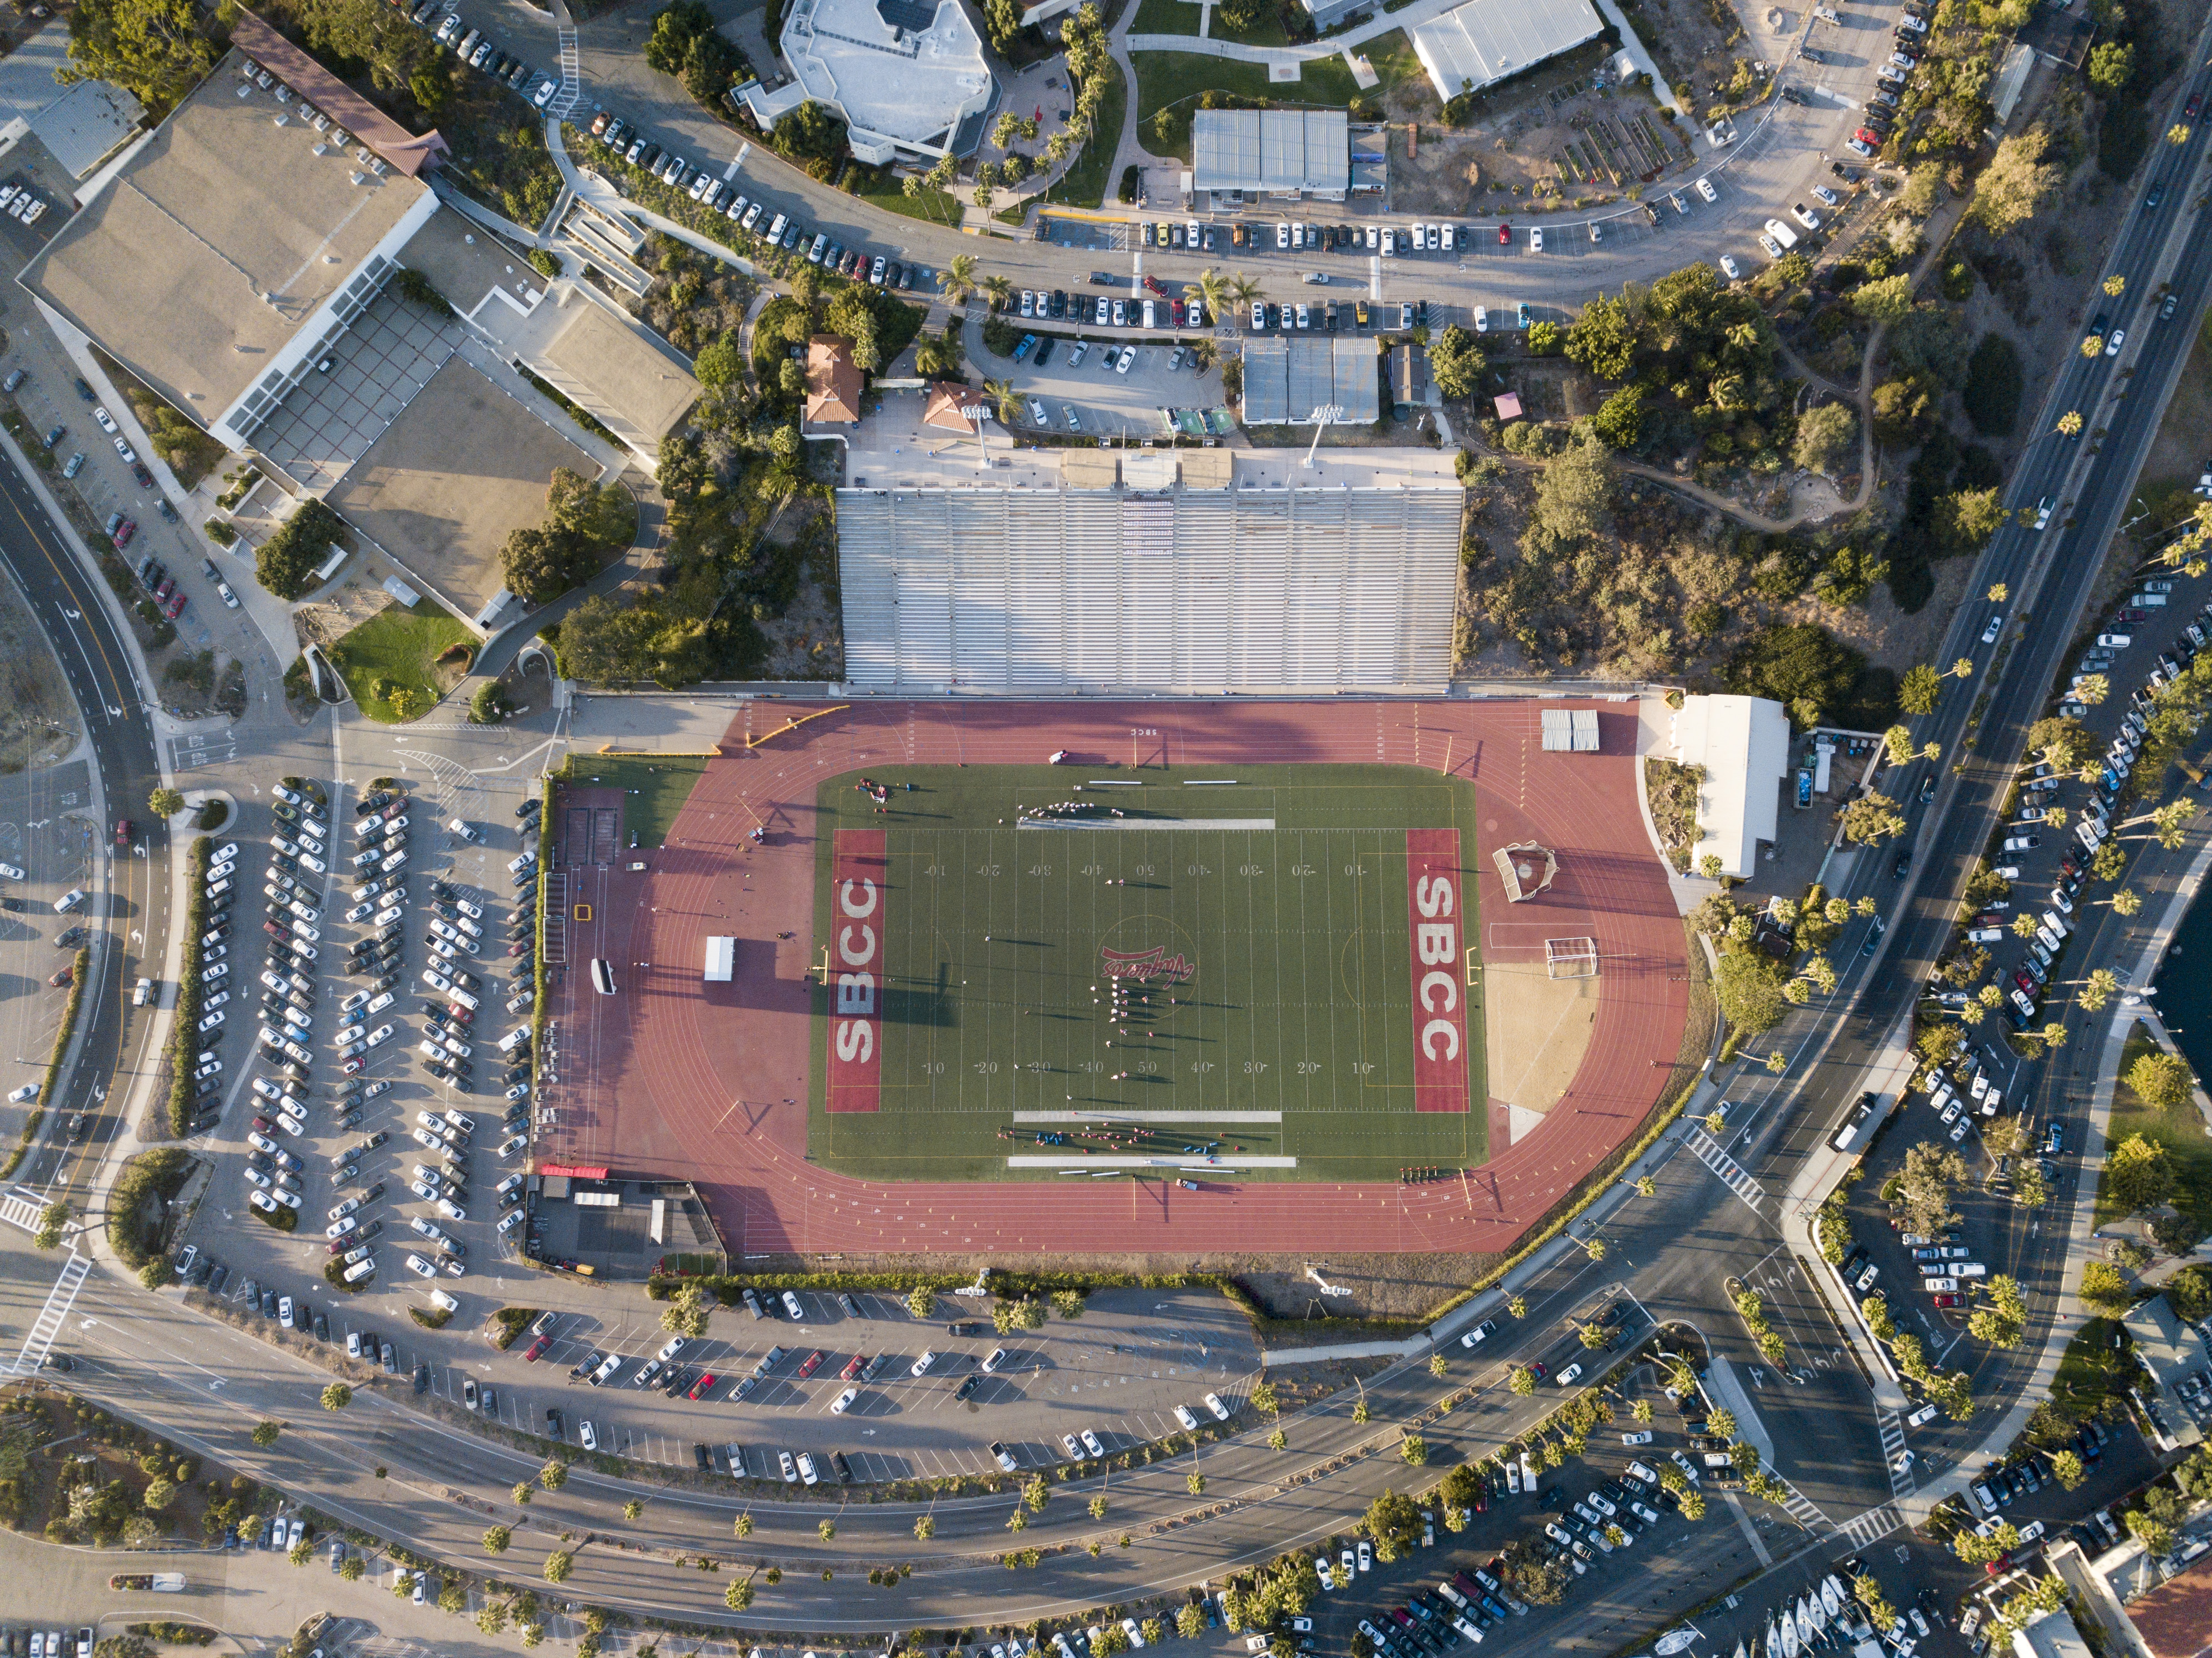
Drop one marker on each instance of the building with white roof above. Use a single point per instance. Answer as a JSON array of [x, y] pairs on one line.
[[1485, 41], [906, 77], [1742, 745], [1272, 152]]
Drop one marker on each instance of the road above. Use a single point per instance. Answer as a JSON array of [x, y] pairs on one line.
[[130, 902]]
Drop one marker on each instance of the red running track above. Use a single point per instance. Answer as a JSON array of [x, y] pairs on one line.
[[678, 1079]]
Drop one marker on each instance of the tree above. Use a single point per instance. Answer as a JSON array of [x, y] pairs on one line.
[[959, 279], [922, 1301], [2138, 1172], [722, 363], [285, 564], [557, 1564], [2111, 65], [2066, 1467], [1924, 1186], [2097, 989], [1411, 1449], [2126, 901], [1619, 421], [1888, 300], [1455, 359], [1571, 496], [158, 1494], [554, 1474], [165, 803], [2062, 742], [1825, 436], [1965, 519], [2014, 183], [687, 1311], [2154, 1534], [496, 1539], [264, 1433], [2104, 1291], [153, 49], [2170, 821], [337, 1396], [1872, 818], [1919, 687]]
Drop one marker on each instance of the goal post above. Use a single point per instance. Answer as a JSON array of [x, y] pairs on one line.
[[1571, 958]]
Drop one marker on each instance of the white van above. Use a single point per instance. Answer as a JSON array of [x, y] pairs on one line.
[[1939, 1286], [515, 1038], [360, 1270], [1148, 314], [1782, 232], [2056, 923]]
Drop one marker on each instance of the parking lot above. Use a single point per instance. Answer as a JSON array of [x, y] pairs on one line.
[[344, 1124]]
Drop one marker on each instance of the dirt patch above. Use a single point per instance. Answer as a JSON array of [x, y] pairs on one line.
[[1565, 135], [2183, 450], [37, 720], [1538, 1030], [1889, 637], [1696, 43]]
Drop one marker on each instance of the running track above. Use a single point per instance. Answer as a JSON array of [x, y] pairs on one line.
[[676, 1079]]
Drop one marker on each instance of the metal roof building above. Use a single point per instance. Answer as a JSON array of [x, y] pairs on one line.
[[1288, 376], [1273, 152], [1184, 591], [1485, 41]]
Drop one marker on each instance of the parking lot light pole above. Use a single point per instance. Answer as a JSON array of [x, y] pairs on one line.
[[1322, 418]]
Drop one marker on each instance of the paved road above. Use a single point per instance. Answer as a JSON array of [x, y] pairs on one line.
[[1781, 150], [129, 903]]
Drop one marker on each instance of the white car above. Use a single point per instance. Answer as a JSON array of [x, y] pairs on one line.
[[1805, 216], [1481, 320], [788, 1468], [27, 1091], [1090, 1443], [381, 1034], [421, 1268], [921, 1366], [1182, 1415], [1536, 240], [798, 1313], [1728, 267], [1704, 187], [843, 1401], [1220, 1411]]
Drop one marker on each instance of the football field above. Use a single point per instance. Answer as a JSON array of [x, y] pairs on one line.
[[1258, 973]]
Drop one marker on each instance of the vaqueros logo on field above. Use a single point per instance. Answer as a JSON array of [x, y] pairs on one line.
[[1153, 963]]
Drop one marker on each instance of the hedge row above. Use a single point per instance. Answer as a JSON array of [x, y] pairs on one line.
[[186, 1018], [80, 965]]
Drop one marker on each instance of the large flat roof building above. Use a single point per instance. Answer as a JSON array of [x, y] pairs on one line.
[[1288, 376], [1149, 587], [906, 75], [1742, 745], [79, 124], [222, 254], [1272, 152], [1486, 41]]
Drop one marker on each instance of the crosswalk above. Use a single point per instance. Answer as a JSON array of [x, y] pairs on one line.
[[572, 78], [21, 1208], [59, 1299], [1731, 1173], [1872, 1525], [1901, 1482]]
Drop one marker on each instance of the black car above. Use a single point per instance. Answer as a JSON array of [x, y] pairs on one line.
[[703, 1457], [1903, 865], [965, 1329], [322, 1326], [553, 1429], [216, 1280], [967, 1386]]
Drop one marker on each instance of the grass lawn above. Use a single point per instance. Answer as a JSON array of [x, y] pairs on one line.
[[2180, 1132], [889, 193], [1166, 17], [2090, 1372], [1173, 81], [1085, 183], [1274, 913], [654, 785], [400, 649], [1392, 56]]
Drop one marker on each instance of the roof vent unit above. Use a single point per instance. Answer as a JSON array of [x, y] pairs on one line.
[[320, 150], [245, 89], [378, 167], [340, 136], [353, 178], [246, 69], [280, 119]]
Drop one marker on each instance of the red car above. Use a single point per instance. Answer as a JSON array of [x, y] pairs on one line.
[[1506, 235], [2002, 1563], [1869, 136], [852, 1367], [536, 1349], [124, 531], [1174, 312], [813, 1360], [1540, 1369], [123, 832], [62, 977], [1950, 1298], [2189, 110], [701, 1385], [175, 607], [1153, 283]]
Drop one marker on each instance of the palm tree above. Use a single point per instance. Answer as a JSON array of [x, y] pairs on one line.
[[1005, 400], [960, 278], [1204, 353], [1210, 290], [1243, 290], [1001, 289]]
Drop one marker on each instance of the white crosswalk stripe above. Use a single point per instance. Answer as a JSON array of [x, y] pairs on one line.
[[1901, 1482], [572, 78], [21, 1208], [1872, 1525], [1730, 1172], [58, 1301]]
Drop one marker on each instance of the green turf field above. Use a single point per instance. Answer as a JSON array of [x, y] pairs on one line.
[[996, 1000]]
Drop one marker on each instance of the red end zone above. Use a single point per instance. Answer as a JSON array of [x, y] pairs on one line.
[[1434, 882], [858, 901]]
